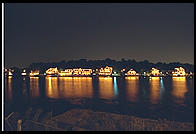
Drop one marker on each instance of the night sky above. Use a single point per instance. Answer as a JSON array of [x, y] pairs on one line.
[[54, 32]]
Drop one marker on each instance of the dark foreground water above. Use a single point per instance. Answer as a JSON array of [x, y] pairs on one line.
[[165, 97]]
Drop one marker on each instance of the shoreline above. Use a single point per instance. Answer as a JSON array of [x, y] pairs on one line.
[[78, 119], [105, 121], [75, 103]]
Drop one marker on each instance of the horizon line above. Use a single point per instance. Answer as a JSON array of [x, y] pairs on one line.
[[126, 59]]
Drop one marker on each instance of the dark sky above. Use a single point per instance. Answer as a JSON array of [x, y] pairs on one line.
[[47, 32]]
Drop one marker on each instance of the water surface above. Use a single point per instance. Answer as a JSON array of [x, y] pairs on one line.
[[150, 97]]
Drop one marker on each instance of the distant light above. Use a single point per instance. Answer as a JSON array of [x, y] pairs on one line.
[[10, 73], [24, 73]]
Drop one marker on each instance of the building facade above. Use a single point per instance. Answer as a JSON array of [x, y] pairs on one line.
[[155, 72], [131, 72], [34, 73], [179, 71], [105, 71], [52, 71]]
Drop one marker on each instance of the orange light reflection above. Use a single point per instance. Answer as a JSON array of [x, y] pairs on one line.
[[34, 87], [73, 87], [179, 88], [52, 87], [106, 90], [132, 84], [155, 89]]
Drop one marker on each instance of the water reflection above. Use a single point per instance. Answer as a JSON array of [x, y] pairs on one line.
[[115, 84], [155, 89], [9, 87], [162, 88], [106, 90], [62, 88], [179, 88], [132, 88], [25, 85], [34, 87], [52, 90], [71, 87]]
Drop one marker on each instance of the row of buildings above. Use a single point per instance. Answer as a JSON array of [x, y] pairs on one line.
[[107, 71]]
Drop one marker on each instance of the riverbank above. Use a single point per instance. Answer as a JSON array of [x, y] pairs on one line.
[[89, 120], [84, 119]]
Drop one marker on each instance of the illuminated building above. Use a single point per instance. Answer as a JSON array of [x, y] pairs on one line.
[[52, 71], [131, 72], [82, 72], [115, 73], [105, 71], [179, 72], [23, 72], [5, 71], [86, 71], [8, 72], [66, 72], [155, 72], [34, 73], [191, 74], [76, 72]]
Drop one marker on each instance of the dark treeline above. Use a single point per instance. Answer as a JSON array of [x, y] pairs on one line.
[[117, 65]]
